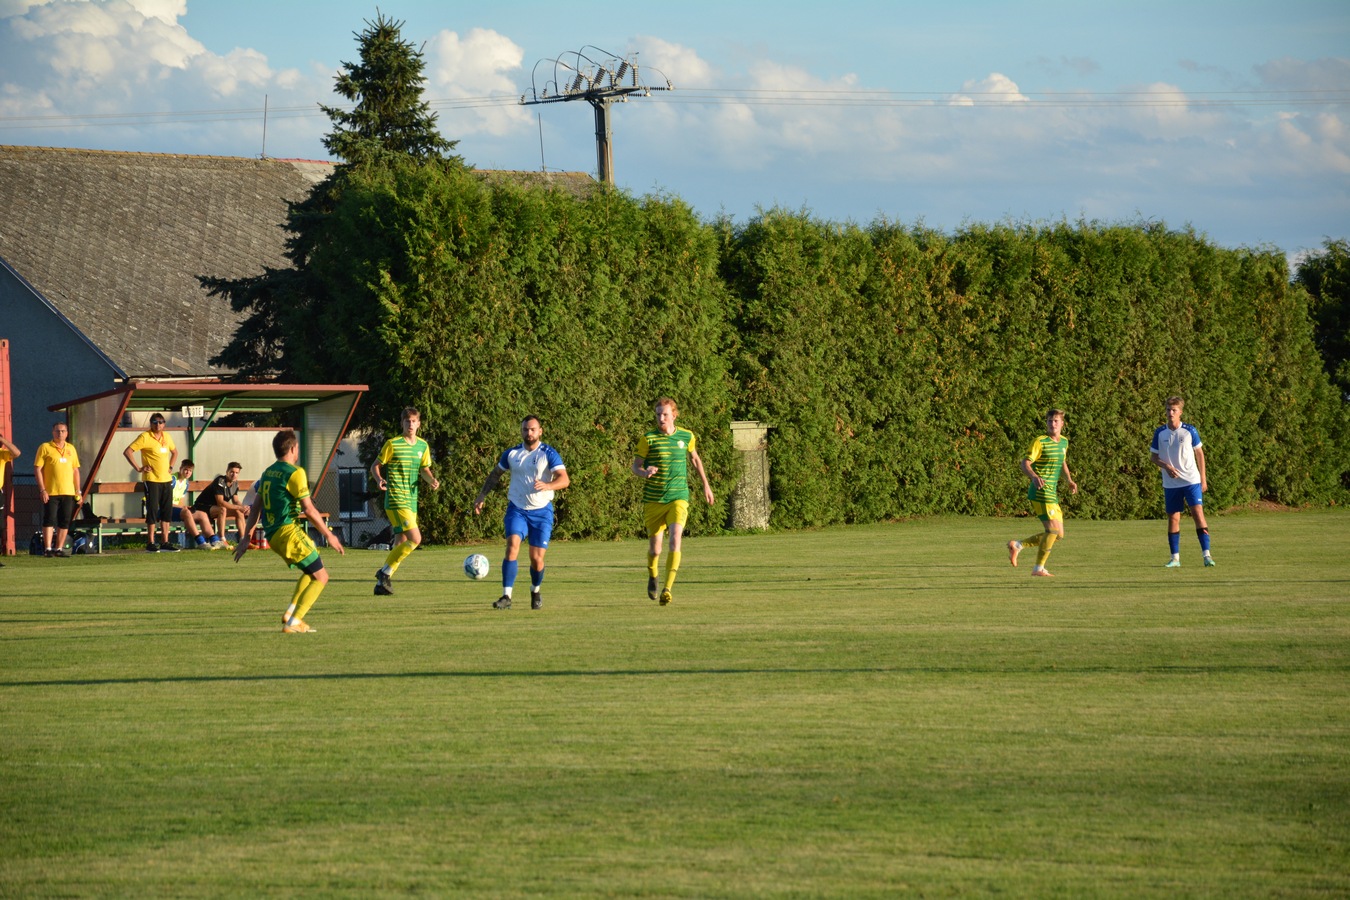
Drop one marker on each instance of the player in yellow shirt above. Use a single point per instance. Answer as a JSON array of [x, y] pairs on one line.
[[402, 461], [282, 500], [662, 460], [1045, 461], [57, 469], [8, 453], [159, 455]]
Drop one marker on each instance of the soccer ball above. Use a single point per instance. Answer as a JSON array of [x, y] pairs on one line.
[[476, 566]]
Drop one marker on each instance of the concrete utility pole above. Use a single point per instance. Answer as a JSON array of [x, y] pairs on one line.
[[600, 85]]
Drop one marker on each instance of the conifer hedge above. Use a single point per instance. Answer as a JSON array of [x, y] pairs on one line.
[[482, 303], [903, 371]]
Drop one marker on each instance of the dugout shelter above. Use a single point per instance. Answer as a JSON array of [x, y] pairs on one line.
[[325, 411]]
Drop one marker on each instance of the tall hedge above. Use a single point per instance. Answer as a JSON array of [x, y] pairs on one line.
[[905, 371], [482, 303]]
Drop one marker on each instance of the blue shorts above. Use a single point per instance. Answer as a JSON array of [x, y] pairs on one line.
[[536, 525], [1176, 499]]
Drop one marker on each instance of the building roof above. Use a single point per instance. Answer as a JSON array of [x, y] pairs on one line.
[[115, 241]]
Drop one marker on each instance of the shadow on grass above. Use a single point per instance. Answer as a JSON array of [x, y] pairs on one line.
[[980, 671]]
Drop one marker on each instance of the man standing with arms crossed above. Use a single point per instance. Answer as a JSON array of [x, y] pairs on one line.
[[662, 460], [537, 471], [1176, 449], [402, 461]]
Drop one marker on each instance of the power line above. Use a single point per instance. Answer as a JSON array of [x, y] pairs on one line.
[[956, 101]]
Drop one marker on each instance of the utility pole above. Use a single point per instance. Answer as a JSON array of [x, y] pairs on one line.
[[598, 83]]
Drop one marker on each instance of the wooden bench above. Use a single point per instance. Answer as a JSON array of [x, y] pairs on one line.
[[124, 525], [118, 526]]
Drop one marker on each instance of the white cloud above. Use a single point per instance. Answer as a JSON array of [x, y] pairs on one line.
[[481, 67], [10, 8], [74, 61], [682, 65], [996, 88]]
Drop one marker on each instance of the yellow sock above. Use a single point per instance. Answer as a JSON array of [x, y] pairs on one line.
[[1033, 541], [310, 593], [299, 591], [398, 554], [1047, 543], [651, 564], [672, 567]]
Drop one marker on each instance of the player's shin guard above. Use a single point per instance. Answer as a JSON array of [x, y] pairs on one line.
[[509, 569], [652, 559], [398, 554], [1174, 541], [1047, 544], [1034, 540], [536, 579], [672, 568]]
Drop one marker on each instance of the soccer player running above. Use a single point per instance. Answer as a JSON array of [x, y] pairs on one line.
[[281, 500], [401, 462], [663, 458], [1045, 461], [537, 472], [1176, 449]]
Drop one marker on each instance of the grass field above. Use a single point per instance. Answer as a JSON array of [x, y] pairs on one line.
[[854, 712]]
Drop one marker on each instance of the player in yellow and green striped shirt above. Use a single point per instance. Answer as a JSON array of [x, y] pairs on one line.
[[1045, 460], [402, 461], [663, 458]]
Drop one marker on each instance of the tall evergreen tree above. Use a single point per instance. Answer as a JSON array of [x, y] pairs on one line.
[[390, 115], [389, 124]]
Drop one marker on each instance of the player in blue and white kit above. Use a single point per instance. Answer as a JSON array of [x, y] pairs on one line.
[[537, 471], [1177, 450]]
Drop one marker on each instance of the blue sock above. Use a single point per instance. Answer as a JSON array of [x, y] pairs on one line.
[[200, 540], [1174, 541], [536, 579], [1203, 534], [509, 567]]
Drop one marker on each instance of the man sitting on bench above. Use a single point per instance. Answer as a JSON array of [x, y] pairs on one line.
[[196, 523], [218, 501]]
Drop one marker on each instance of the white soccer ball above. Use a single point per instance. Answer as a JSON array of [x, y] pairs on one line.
[[476, 566]]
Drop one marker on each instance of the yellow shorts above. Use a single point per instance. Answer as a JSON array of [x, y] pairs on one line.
[[401, 520], [293, 544], [1047, 512], [659, 515]]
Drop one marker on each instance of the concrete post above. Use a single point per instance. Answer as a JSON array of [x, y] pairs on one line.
[[748, 508]]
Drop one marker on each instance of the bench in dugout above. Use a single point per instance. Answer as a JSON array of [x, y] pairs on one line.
[[100, 526]]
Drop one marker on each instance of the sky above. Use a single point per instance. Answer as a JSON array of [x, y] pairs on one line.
[[1230, 118]]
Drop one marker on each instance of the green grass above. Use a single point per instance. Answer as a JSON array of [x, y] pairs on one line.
[[851, 712]]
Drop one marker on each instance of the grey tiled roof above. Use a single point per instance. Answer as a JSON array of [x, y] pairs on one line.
[[115, 241]]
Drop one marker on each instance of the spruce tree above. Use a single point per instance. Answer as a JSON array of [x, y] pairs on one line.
[[390, 115], [389, 125]]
